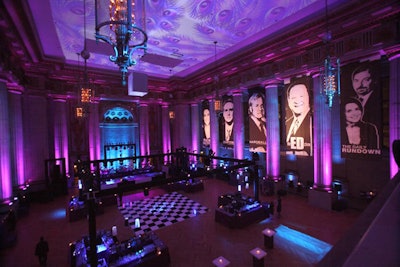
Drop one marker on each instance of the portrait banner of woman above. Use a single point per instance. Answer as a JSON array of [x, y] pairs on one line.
[[357, 136], [298, 118], [257, 122], [206, 126]]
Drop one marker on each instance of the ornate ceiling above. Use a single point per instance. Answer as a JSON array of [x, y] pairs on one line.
[[181, 32]]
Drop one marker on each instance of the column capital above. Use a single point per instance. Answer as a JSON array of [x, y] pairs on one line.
[[393, 53], [58, 97], [271, 83]]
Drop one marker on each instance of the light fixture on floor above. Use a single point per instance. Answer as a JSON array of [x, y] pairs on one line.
[[121, 20]]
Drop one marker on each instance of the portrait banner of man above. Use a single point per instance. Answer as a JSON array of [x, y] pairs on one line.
[[226, 121], [361, 110], [205, 123], [298, 117], [257, 121]]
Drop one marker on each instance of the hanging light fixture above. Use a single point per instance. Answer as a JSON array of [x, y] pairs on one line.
[[217, 101], [122, 34], [85, 91], [330, 72]]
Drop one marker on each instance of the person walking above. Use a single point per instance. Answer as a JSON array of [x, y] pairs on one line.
[[41, 250], [279, 206]]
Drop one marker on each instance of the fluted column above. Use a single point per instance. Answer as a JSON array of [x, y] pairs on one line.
[[60, 131], [322, 140], [273, 139], [214, 135], [17, 136], [394, 107], [94, 132], [166, 134], [144, 129], [238, 126], [5, 163], [195, 127]]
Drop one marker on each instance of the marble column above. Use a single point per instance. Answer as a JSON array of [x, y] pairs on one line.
[[273, 139], [5, 163], [194, 111], [238, 126], [322, 140], [144, 129], [321, 195], [214, 135], [17, 136], [166, 133], [60, 131], [394, 107]]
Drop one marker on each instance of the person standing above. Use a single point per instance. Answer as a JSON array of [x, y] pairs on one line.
[[41, 250], [279, 206]]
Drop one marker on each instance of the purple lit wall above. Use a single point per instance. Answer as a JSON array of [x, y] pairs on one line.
[[94, 132], [182, 130], [5, 164], [238, 126], [394, 108], [273, 140], [322, 140], [144, 129], [195, 127]]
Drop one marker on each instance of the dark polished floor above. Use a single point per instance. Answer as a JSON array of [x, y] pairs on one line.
[[196, 241]]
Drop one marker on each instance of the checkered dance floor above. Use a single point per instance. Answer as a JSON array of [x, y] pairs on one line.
[[156, 212]]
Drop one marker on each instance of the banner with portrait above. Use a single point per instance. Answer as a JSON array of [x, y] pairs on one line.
[[257, 132], [205, 124], [298, 116], [361, 110], [225, 121]]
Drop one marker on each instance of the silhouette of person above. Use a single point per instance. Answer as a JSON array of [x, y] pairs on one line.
[[41, 250]]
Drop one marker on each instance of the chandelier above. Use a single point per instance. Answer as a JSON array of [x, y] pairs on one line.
[[330, 80], [330, 72], [122, 33], [86, 93]]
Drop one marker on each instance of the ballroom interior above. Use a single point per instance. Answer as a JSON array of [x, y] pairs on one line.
[[100, 122]]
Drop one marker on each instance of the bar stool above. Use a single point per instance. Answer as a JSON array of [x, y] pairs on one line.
[[221, 262], [258, 257], [269, 238]]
